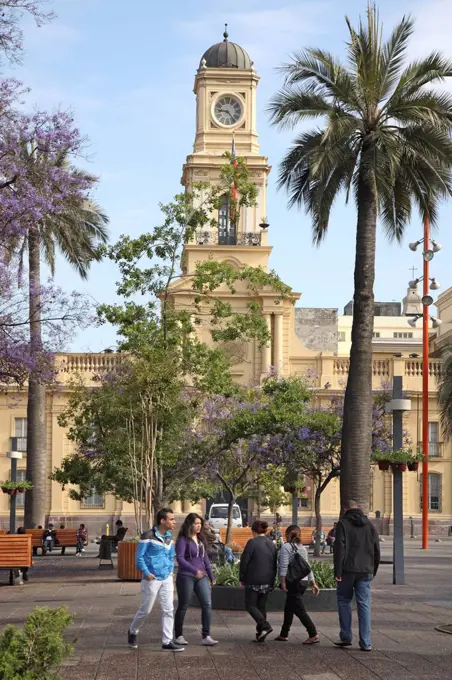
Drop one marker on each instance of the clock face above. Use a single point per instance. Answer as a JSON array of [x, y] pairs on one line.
[[228, 110]]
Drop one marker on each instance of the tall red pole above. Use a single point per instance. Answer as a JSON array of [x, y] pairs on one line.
[[425, 319]]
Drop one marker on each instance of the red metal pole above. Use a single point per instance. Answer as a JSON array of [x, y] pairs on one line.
[[425, 319]]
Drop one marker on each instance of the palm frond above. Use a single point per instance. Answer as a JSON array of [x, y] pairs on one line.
[[445, 392], [393, 54], [291, 106]]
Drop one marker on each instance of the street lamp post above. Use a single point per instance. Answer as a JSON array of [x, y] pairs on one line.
[[397, 406], [14, 456], [425, 319], [427, 300]]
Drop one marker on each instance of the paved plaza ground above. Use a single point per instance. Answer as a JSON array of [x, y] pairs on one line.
[[406, 646]]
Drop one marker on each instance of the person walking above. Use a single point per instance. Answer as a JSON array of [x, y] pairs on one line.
[[356, 562], [82, 540], [193, 576], [155, 559], [257, 573], [295, 589]]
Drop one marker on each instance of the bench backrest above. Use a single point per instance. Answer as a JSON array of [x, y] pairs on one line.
[[66, 537], [243, 535], [15, 551]]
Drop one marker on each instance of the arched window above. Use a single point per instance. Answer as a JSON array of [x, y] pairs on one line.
[[227, 235]]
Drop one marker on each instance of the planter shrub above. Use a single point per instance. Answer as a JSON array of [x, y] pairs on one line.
[[35, 652]]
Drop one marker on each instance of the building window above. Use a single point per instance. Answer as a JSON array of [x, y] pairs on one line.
[[20, 427], [376, 334], [20, 498], [434, 491], [403, 336], [433, 439], [226, 228], [341, 336], [19, 441], [304, 503], [94, 500]]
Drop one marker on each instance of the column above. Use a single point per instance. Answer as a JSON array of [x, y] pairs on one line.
[[278, 344], [266, 350]]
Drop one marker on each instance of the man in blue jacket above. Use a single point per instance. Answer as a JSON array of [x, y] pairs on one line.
[[155, 559]]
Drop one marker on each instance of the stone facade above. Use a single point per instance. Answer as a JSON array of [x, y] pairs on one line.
[[317, 328]]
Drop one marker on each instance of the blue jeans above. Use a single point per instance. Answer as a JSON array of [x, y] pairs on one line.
[[186, 586], [359, 585]]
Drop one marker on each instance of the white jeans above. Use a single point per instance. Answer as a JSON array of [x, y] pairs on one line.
[[164, 591]]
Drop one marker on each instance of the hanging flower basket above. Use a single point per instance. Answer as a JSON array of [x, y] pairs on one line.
[[5, 489], [399, 466], [413, 467], [384, 465], [20, 489]]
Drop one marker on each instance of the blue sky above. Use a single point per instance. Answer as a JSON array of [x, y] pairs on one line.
[[127, 70]]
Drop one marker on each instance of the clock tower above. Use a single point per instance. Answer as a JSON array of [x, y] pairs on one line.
[[225, 88]]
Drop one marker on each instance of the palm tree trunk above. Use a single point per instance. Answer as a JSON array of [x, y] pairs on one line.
[[37, 472], [357, 425]]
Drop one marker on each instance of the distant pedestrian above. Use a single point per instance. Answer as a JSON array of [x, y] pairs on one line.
[[356, 562], [257, 573], [82, 539], [331, 537], [155, 559], [194, 575], [295, 587]]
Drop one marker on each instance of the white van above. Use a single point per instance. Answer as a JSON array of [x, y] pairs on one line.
[[218, 515]]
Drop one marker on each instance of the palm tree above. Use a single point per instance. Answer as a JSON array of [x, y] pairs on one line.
[[385, 139], [76, 232], [445, 392]]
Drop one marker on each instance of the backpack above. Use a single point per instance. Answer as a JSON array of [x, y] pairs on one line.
[[298, 567]]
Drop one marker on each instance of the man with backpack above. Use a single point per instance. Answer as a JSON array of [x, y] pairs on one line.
[[356, 562], [295, 574]]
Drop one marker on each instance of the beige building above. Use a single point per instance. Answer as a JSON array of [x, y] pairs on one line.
[[226, 89]]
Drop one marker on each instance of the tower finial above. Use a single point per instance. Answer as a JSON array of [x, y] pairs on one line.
[[225, 34]]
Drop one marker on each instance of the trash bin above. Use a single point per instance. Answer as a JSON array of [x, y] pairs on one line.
[[105, 552]]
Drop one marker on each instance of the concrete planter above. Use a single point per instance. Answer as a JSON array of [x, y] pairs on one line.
[[233, 599], [126, 562]]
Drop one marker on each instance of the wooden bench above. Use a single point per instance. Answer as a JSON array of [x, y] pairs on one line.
[[15, 553], [67, 538], [306, 534], [243, 535]]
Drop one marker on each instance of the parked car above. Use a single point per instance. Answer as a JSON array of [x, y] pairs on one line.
[[218, 516]]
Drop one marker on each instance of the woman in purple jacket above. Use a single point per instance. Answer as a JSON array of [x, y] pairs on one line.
[[193, 575]]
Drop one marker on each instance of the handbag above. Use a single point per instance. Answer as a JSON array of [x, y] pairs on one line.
[[298, 568]]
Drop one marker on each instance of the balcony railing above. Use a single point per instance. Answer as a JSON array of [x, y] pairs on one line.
[[435, 449], [19, 444], [240, 238]]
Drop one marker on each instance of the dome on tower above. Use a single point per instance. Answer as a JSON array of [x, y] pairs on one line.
[[226, 55]]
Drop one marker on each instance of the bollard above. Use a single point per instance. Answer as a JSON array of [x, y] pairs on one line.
[[107, 530]]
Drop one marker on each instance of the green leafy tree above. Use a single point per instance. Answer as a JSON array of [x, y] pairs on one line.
[[385, 138]]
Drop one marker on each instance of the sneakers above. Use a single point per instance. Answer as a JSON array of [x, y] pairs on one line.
[[208, 641], [172, 647], [181, 640], [132, 640], [263, 634], [365, 649], [79, 554], [280, 638], [312, 640]]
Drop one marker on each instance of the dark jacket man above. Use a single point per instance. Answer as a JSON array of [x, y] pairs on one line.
[[258, 562], [357, 545]]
